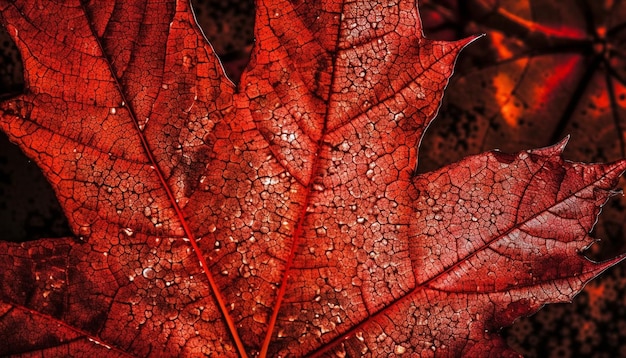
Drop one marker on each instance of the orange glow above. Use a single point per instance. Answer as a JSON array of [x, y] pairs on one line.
[[595, 292], [602, 100], [497, 39], [563, 32], [504, 88], [542, 93], [620, 93]]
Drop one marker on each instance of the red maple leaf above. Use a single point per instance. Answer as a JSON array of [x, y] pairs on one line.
[[282, 216]]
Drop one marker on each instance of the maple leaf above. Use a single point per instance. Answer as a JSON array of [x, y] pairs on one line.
[[282, 216]]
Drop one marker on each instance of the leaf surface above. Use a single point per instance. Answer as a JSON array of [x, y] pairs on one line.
[[281, 216]]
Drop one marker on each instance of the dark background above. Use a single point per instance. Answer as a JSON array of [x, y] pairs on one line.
[[595, 324]]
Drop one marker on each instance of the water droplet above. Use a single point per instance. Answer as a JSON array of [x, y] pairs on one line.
[[360, 220], [165, 86], [399, 349], [148, 273], [318, 187], [341, 353], [344, 146], [128, 231], [188, 61], [259, 317], [84, 230], [112, 110]]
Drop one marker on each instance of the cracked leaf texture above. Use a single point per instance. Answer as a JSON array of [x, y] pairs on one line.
[[282, 216]]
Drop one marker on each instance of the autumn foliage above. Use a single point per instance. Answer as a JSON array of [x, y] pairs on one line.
[[280, 216]]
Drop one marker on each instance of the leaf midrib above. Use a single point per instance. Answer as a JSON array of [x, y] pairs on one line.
[[309, 193], [170, 195]]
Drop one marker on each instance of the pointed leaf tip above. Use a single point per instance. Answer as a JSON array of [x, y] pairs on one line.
[[604, 265], [471, 39], [463, 43], [556, 149], [560, 146], [619, 166]]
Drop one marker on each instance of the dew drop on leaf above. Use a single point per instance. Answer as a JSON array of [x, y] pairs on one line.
[[188, 61], [399, 349], [148, 273], [318, 187], [341, 353], [84, 231]]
